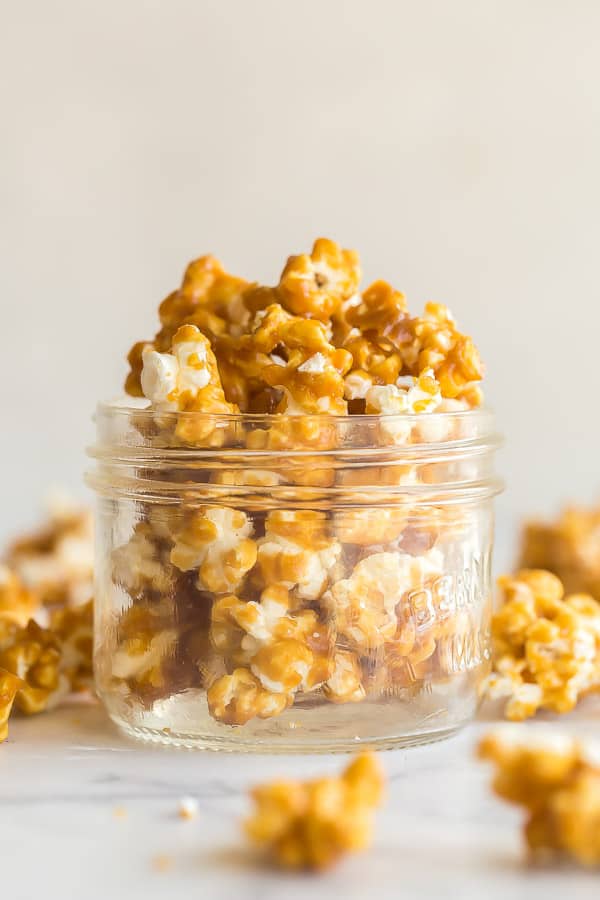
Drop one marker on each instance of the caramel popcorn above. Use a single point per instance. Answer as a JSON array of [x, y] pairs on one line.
[[217, 543], [9, 686], [546, 645], [315, 285], [34, 656], [209, 298], [432, 341], [364, 605], [56, 562], [235, 699], [556, 779], [568, 546], [262, 605], [311, 825], [297, 551], [17, 603]]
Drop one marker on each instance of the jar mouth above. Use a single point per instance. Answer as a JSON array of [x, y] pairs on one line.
[[353, 459]]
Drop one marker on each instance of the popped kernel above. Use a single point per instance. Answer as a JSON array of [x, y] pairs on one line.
[[569, 546], [408, 396], [34, 656], [9, 686], [315, 285], [297, 551], [141, 566], [215, 541], [364, 605], [56, 561], [188, 808], [187, 380], [311, 825], [236, 698], [556, 779], [209, 298], [344, 685], [17, 603], [546, 645]]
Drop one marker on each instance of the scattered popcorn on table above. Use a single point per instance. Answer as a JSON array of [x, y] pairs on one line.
[[9, 686], [569, 546], [56, 561], [546, 646], [556, 779], [311, 825], [188, 808]]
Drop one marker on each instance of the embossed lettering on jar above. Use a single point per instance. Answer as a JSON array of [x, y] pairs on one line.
[[251, 598]]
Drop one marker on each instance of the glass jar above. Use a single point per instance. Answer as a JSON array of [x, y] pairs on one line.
[[273, 583]]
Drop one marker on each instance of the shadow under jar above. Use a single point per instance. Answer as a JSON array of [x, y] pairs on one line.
[[283, 583]]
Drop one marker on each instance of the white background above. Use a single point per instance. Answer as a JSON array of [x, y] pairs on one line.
[[455, 144]]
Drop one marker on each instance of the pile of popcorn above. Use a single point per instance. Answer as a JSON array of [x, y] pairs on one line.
[[275, 603], [546, 646], [569, 547], [556, 780], [46, 613]]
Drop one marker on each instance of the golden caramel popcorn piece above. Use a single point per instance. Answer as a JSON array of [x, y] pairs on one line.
[[364, 605], [17, 603], [187, 380], [144, 644], [74, 629], [215, 541], [556, 779], [432, 341], [235, 699], [546, 646], [56, 562], [142, 566], [381, 310], [569, 546], [209, 298], [310, 825], [9, 686], [34, 656], [344, 685], [315, 285], [297, 551]]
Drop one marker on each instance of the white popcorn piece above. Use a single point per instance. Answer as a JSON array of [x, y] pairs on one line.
[[222, 555], [166, 377], [187, 808]]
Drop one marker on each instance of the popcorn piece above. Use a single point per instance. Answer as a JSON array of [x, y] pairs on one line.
[[568, 546], [432, 341], [381, 310], [409, 396], [310, 825], [144, 646], [217, 542], [297, 551], [17, 603], [546, 646], [9, 686], [187, 380], [345, 683], [364, 605], [315, 285], [74, 631], [556, 779], [56, 562], [34, 656], [286, 652], [209, 298], [235, 699], [142, 566]]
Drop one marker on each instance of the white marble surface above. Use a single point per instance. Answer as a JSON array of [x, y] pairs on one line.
[[66, 774]]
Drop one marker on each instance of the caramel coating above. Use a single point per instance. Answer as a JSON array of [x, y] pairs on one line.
[[311, 825], [316, 284], [55, 562], [546, 646], [9, 686], [557, 781], [569, 546]]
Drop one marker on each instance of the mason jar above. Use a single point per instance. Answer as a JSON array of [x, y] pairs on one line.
[[292, 583]]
